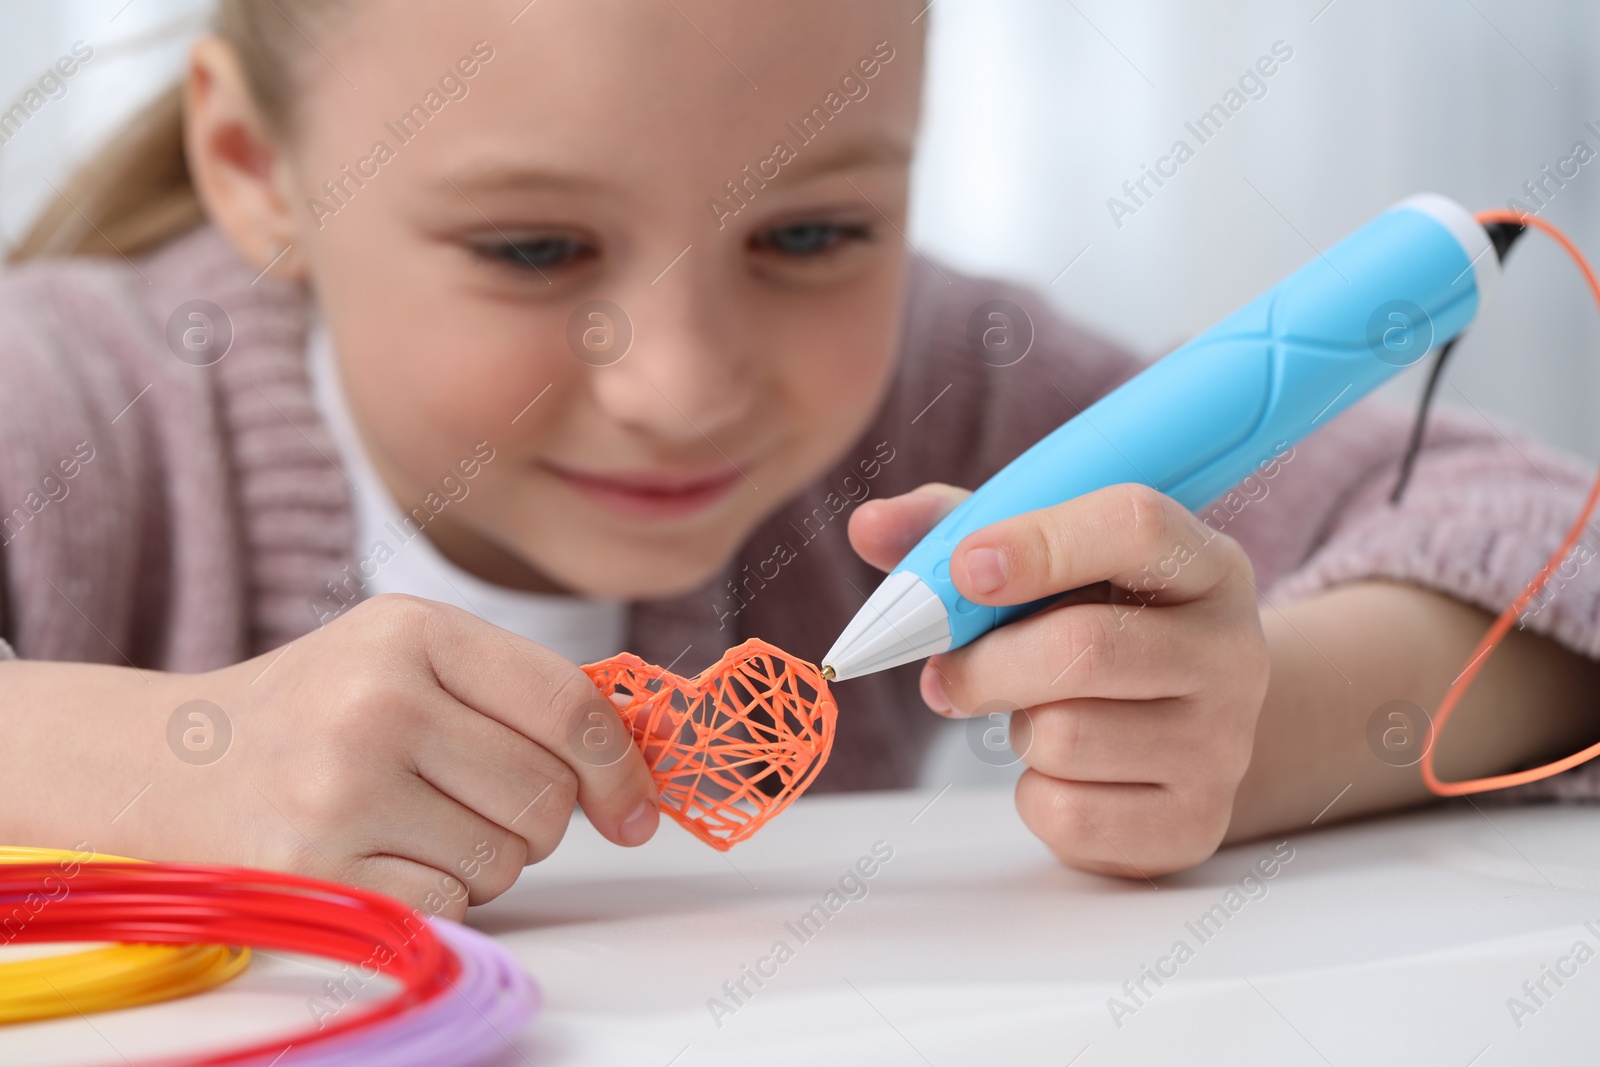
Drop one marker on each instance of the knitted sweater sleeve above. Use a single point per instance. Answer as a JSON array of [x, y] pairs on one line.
[[73, 474], [118, 542], [1485, 507]]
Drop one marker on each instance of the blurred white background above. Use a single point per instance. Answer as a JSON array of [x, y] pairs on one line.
[[1039, 110]]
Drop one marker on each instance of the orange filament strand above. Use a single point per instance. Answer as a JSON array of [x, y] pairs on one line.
[[1480, 655]]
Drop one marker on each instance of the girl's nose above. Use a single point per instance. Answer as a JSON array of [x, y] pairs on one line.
[[685, 373]]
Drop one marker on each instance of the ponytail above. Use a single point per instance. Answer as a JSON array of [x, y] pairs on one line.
[[136, 192], [132, 195]]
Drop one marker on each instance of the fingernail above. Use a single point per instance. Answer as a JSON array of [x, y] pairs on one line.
[[638, 828], [986, 569], [933, 691]]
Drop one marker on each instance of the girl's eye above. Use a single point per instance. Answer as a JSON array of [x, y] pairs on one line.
[[537, 253], [803, 239]]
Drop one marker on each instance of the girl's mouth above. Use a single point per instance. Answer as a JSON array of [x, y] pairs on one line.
[[651, 492]]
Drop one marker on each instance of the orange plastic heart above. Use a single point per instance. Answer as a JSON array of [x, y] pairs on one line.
[[733, 746]]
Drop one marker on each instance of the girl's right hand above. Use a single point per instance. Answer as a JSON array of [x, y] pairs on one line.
[[408, 747]]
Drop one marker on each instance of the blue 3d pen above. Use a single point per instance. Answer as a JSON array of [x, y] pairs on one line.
[[1199, 420]]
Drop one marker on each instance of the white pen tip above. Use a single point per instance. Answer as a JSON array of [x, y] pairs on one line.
[[903, 620]]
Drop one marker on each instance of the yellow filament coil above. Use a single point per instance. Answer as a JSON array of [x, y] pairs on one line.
[[107, 978]]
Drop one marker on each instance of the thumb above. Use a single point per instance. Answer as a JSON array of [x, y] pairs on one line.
[[883, 531]]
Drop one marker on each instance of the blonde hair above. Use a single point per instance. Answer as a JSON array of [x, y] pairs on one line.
[[135, 192]]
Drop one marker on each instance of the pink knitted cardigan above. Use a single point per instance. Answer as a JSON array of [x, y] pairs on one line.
[[211, 512]]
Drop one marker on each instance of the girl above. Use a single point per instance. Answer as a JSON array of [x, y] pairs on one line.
[[595, 319]]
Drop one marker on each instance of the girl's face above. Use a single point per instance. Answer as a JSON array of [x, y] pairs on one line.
[[528, 237]]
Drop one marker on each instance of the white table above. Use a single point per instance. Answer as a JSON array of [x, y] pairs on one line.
[[1393, 941]]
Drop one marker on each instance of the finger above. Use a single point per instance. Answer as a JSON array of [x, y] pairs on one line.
[[1081, 650], [883, 531], [544, 697], [1150, 742], [495, 771], [426, 890], [1130, 535], [1132, 831], [423, 825]]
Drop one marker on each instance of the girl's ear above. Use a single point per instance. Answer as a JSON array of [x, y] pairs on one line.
[[238, 168]]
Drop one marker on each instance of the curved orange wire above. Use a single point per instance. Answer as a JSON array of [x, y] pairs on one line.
[[1501, 625], [733, 746]]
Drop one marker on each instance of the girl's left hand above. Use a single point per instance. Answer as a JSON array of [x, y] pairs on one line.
[[1136, 698]]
